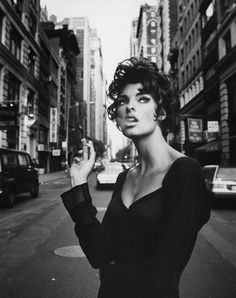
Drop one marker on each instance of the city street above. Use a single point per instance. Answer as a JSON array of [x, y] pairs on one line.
[[40, 256]]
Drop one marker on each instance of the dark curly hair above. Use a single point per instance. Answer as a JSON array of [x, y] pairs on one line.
[[159, 85]]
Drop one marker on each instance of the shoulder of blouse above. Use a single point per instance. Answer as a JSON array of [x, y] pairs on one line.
[[183, 170]]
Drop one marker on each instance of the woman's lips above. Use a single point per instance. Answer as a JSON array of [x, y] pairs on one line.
[[131, 119]]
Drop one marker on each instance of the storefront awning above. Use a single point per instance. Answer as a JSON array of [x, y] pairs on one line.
[[209, 147]]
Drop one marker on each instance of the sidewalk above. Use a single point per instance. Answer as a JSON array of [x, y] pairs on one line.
[[43, 178]]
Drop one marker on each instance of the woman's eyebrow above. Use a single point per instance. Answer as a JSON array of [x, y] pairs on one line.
[[122, 96], [141, 92]]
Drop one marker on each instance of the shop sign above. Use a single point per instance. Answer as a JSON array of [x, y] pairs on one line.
[[56, 152], [40, 147], [212, 126], [195, 130], [53, 125], [63, 144]]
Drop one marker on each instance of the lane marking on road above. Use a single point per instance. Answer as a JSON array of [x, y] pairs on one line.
[[101, 208], [73, 251], [223, 246]]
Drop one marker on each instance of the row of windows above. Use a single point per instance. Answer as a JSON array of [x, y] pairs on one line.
[[11, 92], [16, 45], [191, 67], [193, 9], [190, 42]]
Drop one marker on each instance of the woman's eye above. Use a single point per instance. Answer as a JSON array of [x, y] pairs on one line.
[[121, 102], [144, 99]]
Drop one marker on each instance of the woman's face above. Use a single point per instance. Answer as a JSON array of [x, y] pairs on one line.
[[136, 111]]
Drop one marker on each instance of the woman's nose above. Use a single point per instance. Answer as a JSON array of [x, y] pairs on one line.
[[130, 106]]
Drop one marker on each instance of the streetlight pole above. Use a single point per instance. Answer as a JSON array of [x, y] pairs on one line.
[[67, 130]]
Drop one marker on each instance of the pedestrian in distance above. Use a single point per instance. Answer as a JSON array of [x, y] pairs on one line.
[[158, 206]]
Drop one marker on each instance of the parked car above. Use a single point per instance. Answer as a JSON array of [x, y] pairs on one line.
[[220, 181], [17, 175], [108, 176]]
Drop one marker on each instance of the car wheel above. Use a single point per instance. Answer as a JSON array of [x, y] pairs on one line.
[[35, 190], [10, 200]]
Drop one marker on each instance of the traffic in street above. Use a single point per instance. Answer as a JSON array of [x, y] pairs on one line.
[[41, 256]]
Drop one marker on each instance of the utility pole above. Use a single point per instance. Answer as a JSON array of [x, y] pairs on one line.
[[67, 129]]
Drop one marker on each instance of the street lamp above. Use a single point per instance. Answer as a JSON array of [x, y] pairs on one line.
[[67, 129]]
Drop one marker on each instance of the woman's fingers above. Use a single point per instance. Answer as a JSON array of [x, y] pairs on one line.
[[92, 151], [85, 149]]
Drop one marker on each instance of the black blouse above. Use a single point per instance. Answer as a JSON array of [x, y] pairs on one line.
[[142, 250]]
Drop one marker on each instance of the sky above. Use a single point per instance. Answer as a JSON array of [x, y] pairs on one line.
[[112, 19]]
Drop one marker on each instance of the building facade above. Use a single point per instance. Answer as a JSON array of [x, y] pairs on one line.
[[37, 66], [19, 73], [98, 79], [81, 28]]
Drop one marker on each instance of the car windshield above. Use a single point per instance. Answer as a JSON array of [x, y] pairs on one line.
[[226, 173]]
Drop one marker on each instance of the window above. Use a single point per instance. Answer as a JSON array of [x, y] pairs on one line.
[[32, 23], [13, 87], [182, 56], [9, 159], [153, 50], [1, 24], [22, 160], [190, 68], [17, 6], [153, 24], [194, 63], [209, 11], [30, 103], [15, 43], [31, 60], [197, 33], [153, 14], [187, 72], [182, 77], [81, 74], [153, 41], [154, 59], [208, 14], [227, 41]]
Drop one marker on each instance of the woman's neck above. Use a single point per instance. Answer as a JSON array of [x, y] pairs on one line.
[[154, 153]]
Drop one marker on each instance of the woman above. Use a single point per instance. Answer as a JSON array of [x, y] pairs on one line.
[[158, 206]]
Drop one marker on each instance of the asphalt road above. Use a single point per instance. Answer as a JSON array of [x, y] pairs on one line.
[[40, 256]]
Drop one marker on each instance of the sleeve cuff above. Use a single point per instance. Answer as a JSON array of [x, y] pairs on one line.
[[75, 196]]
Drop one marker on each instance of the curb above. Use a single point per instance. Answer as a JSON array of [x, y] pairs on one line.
[[52, 179]]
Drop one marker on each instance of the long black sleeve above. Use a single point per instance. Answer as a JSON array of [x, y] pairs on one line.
[[96, 239]]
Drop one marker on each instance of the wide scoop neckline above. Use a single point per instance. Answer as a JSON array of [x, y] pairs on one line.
[[144, 197]]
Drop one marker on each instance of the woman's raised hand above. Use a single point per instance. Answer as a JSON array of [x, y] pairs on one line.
[[82, 167]]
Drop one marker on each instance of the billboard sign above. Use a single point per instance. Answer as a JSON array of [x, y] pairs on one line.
[[195, 130], [53, 125]]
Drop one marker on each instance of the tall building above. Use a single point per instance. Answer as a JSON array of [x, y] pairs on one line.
[[98, 81], [133, 38], [167, 18], [190, 76], [80, 26], [149, 34]]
